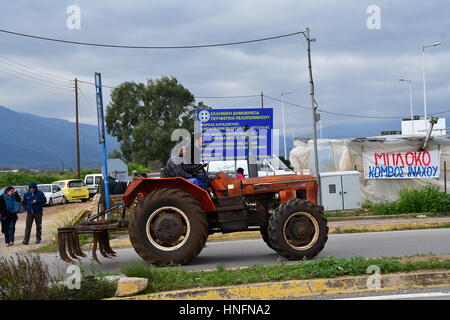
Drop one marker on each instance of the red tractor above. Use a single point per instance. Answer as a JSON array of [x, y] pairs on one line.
[[173, 217]]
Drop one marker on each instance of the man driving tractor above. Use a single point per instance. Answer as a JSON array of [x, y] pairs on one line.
[[177, 167]]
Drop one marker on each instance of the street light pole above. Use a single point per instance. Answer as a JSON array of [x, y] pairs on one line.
[[410, 102], [284, 128], [320, 125], [293, 137], [284, 125], [424, 85]]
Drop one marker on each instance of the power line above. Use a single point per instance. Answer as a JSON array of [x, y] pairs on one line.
[[85, 98], [29, 75], [436, 113], [53, 81], [359, 116], [26, 91], [286, 102], [32, 80], [335, 113], [51, 77], [319, 110], [93, 84], [40, 73], [33, 90], [38, 77], [36, 94], [150, 47], [228, 97]]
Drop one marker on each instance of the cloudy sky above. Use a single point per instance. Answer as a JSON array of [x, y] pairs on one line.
[[356, 68]]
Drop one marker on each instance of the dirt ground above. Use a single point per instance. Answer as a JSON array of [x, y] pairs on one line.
[[50, 217]]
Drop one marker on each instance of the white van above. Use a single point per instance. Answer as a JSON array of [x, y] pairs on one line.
[[92, 182]]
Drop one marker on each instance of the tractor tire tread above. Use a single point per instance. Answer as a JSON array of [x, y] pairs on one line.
[[276, 223], [195, 212]]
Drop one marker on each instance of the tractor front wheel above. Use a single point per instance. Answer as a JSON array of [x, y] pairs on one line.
[[298, 230], [168, 227]]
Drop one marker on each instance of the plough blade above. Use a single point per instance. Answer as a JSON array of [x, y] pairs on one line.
[[77, 248], [69, 240], [105, 248], [62, 248]]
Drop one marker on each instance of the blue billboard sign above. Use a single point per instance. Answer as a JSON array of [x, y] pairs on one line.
[[230, 134]]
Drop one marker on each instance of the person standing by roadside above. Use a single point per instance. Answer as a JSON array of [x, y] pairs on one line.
[[33, 202], [8, 213]]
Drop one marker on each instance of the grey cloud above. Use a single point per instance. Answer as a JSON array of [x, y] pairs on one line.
[[355, 69]]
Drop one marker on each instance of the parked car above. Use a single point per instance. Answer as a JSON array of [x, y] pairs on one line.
[[20, 189], [53, 193], [74, 189], [92, 182]]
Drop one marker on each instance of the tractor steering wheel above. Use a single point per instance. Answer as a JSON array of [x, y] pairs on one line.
[[201, 167]]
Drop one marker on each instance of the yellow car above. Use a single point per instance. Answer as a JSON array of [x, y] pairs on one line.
[[73, 190]]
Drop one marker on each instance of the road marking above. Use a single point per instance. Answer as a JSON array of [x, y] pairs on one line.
[[402, 296]]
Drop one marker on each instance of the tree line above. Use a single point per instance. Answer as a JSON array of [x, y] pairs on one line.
[[142, 117]]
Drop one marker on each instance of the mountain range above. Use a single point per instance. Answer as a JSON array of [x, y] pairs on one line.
[[34, 142]]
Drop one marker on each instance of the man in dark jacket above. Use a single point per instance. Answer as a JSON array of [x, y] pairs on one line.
[[176, 167], [33, 201]]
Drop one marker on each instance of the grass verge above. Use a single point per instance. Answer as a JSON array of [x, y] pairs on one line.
[[176, 278], [427, 199], [26, 277]]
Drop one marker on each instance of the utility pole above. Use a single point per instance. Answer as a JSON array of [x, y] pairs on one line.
[[262, 100], [284, 127], [314, 115], [410, 102], [77, 129], [424, 85]]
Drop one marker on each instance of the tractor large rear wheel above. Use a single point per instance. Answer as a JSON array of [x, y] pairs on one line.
[[168, 227], [298, 230]]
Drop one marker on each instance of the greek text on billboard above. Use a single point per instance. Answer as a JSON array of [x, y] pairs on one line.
[[227, 133]]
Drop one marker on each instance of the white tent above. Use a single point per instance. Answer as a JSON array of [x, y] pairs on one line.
[[347, 155]]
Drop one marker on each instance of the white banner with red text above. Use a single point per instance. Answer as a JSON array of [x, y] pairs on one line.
[[402, 165]]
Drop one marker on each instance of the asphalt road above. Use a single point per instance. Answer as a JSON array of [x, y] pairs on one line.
[[242, 253]]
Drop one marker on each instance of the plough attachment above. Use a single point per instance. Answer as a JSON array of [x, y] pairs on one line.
[[69, 237]]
